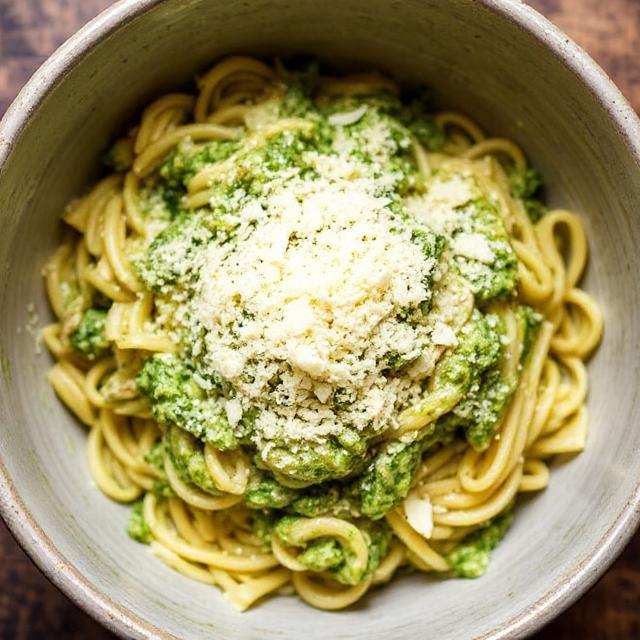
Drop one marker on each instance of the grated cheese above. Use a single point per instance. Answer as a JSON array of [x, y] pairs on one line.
[[474, 246], [302, 309], [419, 513], [444, 335], [310, 296], [348, 118]]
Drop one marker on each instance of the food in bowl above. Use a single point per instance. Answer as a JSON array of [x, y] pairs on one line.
[[319, 332]]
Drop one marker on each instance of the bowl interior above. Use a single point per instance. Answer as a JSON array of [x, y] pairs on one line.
[[478, 61]]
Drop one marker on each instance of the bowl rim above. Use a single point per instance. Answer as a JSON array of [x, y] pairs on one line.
[[62, 572]]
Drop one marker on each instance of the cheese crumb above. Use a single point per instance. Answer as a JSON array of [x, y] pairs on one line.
[[348, 118], [419, 513], [444, 335], [474, 246]]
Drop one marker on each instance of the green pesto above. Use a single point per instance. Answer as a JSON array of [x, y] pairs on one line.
[[482, 409], [168, 382], [138, 528], [500, 278], [387, 479], [400, 155], [257, 166], [379, 536], [396, 361], [404, 121], [412, 117], [333, 459], [322, 555], [120, 156], [176, 398], [265, 492], [316, 500], [340, 476], [164, 261], [287, 150], [281, 152], [155, 455], [478, 349], [89, 339], [187, 455], [262, 524], [526, 185], [417, 116], [432, 246], [297, 101], [530, 321], [474, 367], [329, 554], [158, 202], [185, 161], [162, 489], [284, 529], [342, 559], [470, 558]]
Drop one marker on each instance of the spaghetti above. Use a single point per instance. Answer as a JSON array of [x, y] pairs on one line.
[[496, 387]]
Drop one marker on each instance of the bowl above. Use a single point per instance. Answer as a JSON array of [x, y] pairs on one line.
[[495, 59]]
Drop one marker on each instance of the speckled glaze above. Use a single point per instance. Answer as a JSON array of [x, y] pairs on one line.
[[497, 60]]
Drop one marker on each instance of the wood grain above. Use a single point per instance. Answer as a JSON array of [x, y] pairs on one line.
[[31, 608]]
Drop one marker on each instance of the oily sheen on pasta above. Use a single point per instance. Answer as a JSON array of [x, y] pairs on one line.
[[319, 333]]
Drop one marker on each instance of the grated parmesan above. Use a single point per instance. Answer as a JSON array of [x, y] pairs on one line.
[[301, 310], [310, 295], [419, 513]]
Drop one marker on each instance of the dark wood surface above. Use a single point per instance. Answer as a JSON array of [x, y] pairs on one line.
[[30, 30]]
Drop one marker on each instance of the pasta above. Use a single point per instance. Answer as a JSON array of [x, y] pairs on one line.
[[256, 461]]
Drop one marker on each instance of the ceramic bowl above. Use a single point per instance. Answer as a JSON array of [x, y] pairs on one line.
[[495, 59]]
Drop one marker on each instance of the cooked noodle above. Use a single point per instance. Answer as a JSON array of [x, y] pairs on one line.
[[208, 535]]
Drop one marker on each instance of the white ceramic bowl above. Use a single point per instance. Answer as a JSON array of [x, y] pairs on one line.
[[496, 59]]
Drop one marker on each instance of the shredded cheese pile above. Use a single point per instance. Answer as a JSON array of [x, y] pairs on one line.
[[304, 307]]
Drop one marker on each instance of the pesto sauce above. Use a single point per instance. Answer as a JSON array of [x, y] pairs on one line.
[[138, 528], [387, 479], [89, 339], [474, 368], [470, 558], [177, 398], [527, 186], [187, 455], [335, 458], [330, 555], [531, 322], [265, 492], [499, 279]]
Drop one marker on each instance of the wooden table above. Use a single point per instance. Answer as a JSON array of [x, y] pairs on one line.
[[30, 30]]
